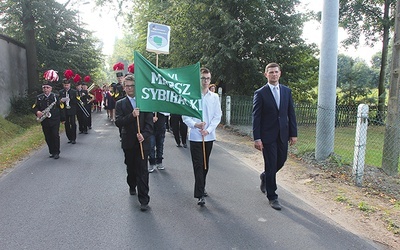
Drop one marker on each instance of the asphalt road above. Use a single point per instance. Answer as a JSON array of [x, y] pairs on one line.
[[81, 201]]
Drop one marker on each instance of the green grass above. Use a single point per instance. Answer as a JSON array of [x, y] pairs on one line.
[[19, 138], [344, 143]]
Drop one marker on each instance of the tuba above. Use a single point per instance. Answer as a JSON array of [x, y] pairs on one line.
[[46, 112]]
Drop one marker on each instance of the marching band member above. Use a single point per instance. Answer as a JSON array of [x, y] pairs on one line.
[[68, 98], [47, 111], [81, 112], [89, 100]]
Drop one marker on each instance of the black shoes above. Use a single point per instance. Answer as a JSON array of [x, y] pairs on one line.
[[262, 185], [73, 142], [185, 145], [144, 207], [132, 191], [179, 145], [55, 156], [275, 204], [201, 201], [69, 141]]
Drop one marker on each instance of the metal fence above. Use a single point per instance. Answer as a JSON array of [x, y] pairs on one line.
[[306, 114]]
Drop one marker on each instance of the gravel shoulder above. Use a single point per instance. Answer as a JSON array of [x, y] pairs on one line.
[[371, 211]]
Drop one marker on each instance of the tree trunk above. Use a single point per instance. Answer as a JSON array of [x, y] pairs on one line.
[[391, 146], [385, 46], [28, 23]]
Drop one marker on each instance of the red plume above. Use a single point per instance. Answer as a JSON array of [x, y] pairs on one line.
[[68, 74], [86, 79], [50, 75], [77, 78], [119, 66], [131, 68]]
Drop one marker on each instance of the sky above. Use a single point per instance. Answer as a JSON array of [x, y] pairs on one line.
[[108, 30]]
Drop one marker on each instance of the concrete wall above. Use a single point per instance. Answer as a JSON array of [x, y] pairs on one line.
[[13, 72]]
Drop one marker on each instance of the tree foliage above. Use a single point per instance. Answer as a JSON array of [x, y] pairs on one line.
[[355, 81], [61, 41], [235, 39], [373, 19]]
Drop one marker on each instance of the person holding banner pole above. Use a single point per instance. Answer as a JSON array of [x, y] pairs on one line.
[[136, 128], [202, 135]]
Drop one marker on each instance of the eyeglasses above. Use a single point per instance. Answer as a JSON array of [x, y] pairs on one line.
[[206, 79], [129, 86]]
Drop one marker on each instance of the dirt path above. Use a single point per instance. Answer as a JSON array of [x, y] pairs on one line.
[[372, 211]]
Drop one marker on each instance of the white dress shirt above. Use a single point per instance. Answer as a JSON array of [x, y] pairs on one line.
[[211, 116]]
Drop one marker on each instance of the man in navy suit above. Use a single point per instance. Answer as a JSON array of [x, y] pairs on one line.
[[274, 127], [135, 141]]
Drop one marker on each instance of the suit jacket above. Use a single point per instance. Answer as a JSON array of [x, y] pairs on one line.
[[72, 102], [128, 124], [269, 122]]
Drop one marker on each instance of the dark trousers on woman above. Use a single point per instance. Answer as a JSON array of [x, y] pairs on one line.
[[138, 175], [179, 128], [200, 172]]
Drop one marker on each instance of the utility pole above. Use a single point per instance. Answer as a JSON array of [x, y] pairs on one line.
[[325, 134], [391, 146]]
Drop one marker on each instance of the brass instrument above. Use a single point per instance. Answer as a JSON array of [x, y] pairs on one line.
[[46, 112], [82, 107], [67, 100], [91, 87]]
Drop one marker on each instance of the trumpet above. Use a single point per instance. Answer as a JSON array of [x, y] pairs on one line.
[[67, 100], [46, 112]]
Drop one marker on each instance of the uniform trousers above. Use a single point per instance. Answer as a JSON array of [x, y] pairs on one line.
[[200, 172], [52, 137], [70, 127], [138, 174], [82, 121]]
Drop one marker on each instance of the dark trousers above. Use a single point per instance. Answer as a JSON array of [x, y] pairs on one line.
[[275, 155], [138, 175], [82, 121], [70, 127], [89, 120], [200, 172], [157, 146], [52, 137], [179, 128]]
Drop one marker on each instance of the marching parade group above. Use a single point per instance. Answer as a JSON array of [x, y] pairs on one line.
[[142, 133]]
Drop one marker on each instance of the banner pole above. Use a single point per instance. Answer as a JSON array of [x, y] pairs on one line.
[[140, 143], [204, 154]]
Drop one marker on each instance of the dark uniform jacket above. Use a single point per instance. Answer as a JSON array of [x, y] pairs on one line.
[[128, 124], [72, 102], [42, 102], [118, 91]]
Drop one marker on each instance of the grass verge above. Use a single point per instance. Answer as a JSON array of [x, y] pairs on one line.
[[20, 135]]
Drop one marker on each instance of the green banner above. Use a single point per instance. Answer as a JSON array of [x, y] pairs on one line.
[[176, 91]]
